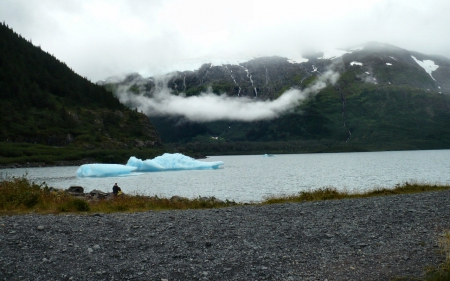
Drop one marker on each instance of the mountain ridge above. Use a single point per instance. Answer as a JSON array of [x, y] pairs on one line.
[[401, 99], [314, 63]]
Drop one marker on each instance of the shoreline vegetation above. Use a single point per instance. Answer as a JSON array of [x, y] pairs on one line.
[[20, 196]]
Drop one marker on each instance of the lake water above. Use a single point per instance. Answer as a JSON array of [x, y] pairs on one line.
[[252, 178]]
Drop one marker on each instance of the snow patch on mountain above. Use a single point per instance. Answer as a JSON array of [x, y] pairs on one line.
[[428, 65], [356, 63], [388, 63]]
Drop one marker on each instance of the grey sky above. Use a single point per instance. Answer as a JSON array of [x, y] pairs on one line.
[[103, 38]]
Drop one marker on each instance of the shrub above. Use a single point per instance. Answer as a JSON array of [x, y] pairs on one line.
[[74, 205], [19, 193], [31, 200]]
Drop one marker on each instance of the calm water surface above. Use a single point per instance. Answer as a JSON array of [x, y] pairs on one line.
[[251, 178]]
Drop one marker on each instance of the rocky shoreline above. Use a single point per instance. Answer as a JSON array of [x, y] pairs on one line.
[[376, 238]]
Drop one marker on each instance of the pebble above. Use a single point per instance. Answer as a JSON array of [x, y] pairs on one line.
[[375, 238]]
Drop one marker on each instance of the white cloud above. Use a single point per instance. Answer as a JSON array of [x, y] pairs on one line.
[[211, 107], [101, 38]]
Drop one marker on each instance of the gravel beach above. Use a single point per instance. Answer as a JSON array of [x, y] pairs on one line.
[[354, 239]]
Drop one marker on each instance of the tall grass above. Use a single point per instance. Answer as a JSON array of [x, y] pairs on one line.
[[331, 193], [19, 195]]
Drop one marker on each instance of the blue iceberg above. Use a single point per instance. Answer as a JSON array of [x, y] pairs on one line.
[[171, 162], [166, 162], [104, 170]]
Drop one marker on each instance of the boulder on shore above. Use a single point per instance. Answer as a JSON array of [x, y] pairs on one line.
[[76, 189], [98, 194]]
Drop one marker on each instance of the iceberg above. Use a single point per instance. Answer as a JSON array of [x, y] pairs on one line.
[[166, 162], [104, 170], [171, 162]]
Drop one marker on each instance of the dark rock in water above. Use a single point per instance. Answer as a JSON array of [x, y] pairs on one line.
[[76, 189]]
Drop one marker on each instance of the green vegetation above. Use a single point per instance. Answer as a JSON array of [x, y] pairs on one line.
[[330, 193], [18, 195], [20, 153]]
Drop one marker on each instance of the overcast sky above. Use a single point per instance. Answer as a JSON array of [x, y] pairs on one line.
[[103, 38]]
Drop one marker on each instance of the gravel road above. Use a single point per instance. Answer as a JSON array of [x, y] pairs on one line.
[[359, 239]]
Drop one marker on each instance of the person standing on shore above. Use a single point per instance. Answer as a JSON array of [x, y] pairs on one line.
[[116, 189]]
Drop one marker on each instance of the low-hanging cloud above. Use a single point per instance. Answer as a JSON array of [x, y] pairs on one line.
[[208, 106], [104, 38]]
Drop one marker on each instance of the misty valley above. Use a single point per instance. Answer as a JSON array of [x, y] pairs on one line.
[[224, 140], [377, 97]]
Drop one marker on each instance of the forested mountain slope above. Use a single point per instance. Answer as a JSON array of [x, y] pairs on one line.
[[43, 102]]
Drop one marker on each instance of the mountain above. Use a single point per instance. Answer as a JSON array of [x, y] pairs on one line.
[[49, 113], [386, 98]]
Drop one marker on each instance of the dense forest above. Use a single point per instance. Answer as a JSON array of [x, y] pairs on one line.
[[49, 113]]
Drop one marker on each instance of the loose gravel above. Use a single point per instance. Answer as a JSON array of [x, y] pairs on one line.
[[354, 239]]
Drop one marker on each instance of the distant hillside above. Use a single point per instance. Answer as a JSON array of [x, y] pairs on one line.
[[386, 98], [43, 102]]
